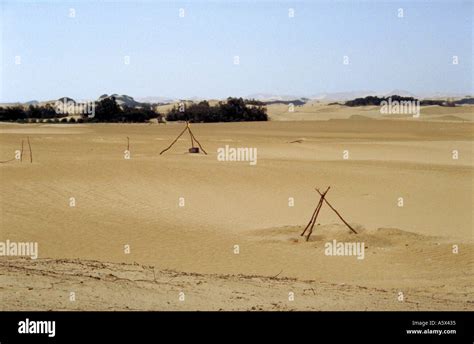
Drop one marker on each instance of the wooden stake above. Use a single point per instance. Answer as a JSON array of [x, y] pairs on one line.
[[320, 205], [172, 143], [199, 144], [21, 154], [330, 206], [31, 152], [312, 217], [314, 213], [128, 143], [191, 135]]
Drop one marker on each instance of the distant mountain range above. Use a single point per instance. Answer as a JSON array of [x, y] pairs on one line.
[[122, 100], [126, 100], [343, 96], [156, 100], [335, 96], [272, 97]]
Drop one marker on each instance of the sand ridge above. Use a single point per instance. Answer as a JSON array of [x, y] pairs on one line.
[[47, 285]]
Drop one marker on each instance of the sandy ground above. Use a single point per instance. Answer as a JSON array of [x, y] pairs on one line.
[[49, 284], [191, 249], [315, 110]]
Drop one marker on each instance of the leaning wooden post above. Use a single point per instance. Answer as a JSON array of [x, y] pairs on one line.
[[172, 143], [312, 217], [21, 154], [31, 152], [317, 212], [191, 135], [199, 144]]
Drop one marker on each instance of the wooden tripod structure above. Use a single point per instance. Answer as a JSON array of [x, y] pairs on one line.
[[193, 149], [312, 221]]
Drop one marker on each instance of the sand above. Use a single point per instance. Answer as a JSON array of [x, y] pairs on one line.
[[315, 110], [191, 249]]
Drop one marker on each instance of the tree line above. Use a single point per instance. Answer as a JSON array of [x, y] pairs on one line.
[[232, 110], [374, 100], [106, 110], [21, 114], [109, 111]]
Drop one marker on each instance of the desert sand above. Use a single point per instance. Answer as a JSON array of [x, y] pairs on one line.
[[191, 249]]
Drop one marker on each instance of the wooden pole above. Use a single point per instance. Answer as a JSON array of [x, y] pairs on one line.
[[312, 217], [31, 152], [330, 206], [21, 154], [172, 143], [128, 143], [199, 144], [191, 135], [321, 200], [317, 212]]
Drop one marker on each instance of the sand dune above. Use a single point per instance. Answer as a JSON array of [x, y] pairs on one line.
[[135, 202], [312, 111]]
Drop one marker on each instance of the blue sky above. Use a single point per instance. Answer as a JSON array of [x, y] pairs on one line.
[[83, 57]]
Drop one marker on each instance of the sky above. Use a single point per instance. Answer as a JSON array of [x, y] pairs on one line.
[[47, 53]]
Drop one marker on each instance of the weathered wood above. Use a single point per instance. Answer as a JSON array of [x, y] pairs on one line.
[[191, 135], [337, 213], [317, 213], [172, 143], [21, 154], [193, 139], [31, 152], [312, 218], [199, 144]]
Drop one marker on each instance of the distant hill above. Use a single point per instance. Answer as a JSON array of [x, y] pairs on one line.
[[122, 100], [65, 100], [295, 102], [156, 100], [442, 95], [267, 97], [401, 93], [342, 96], [465, 101]]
